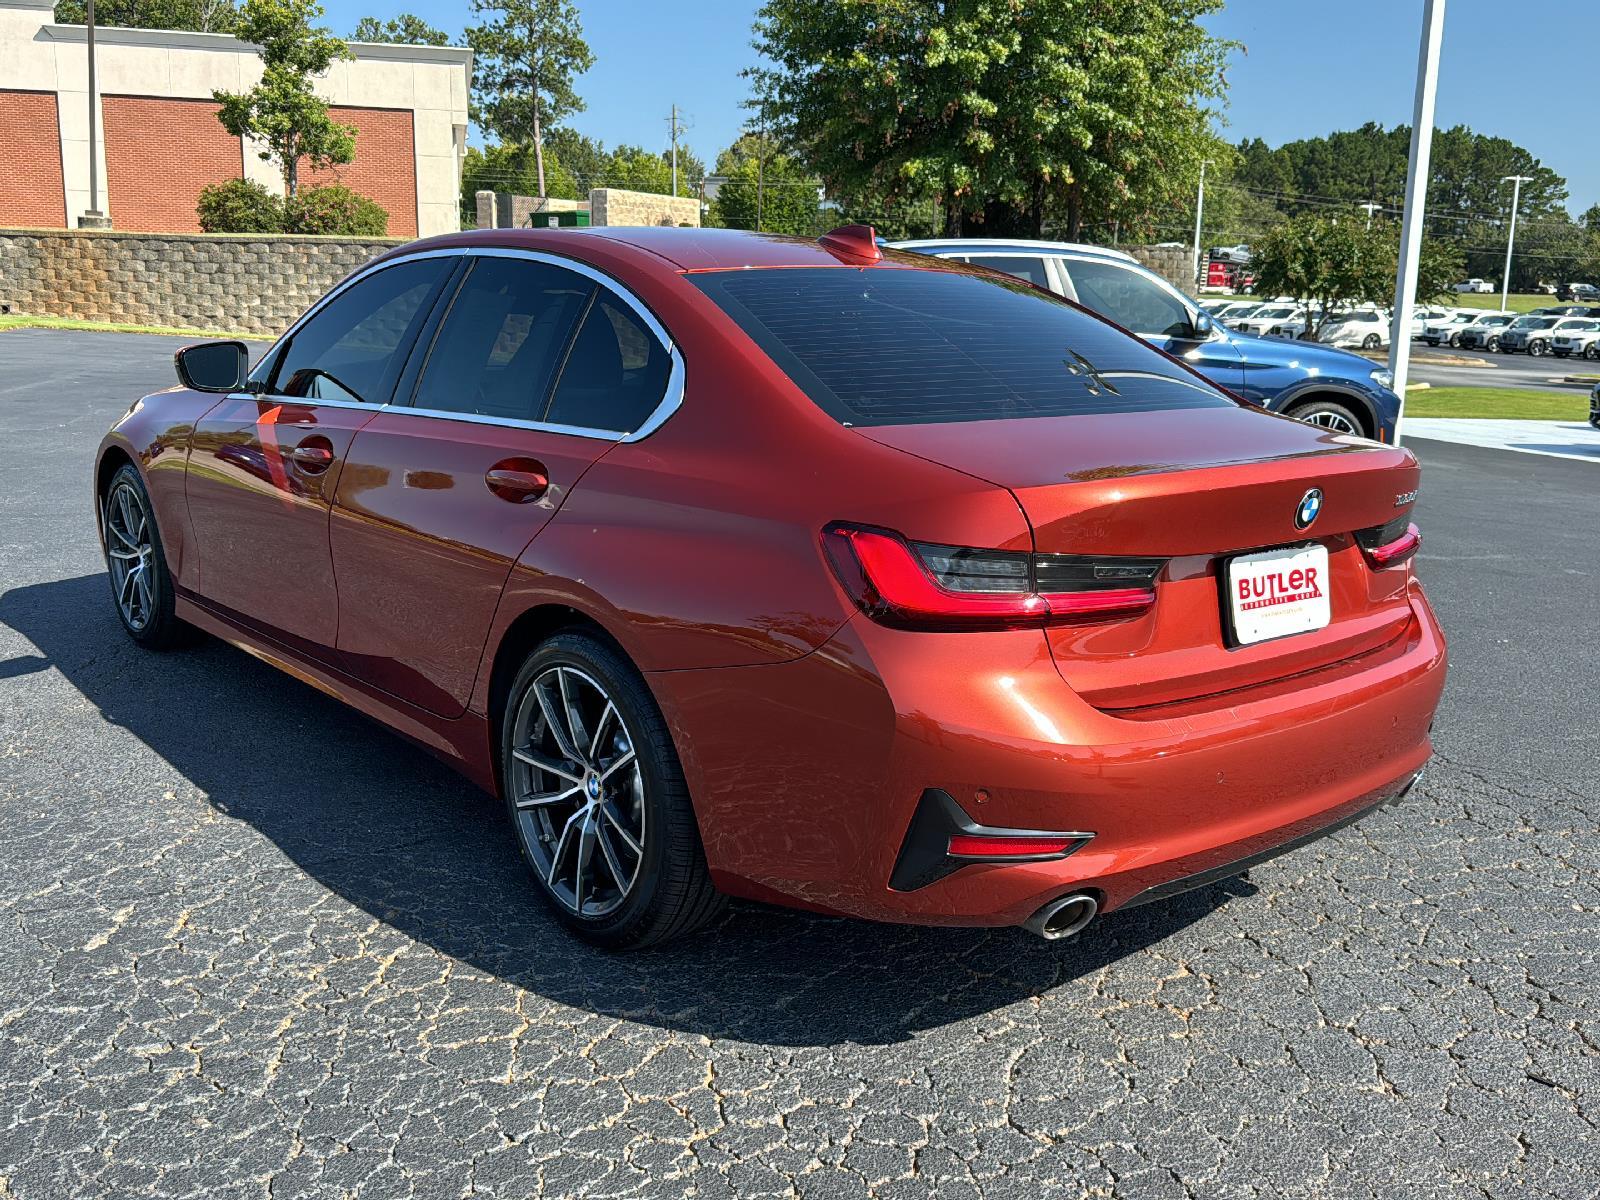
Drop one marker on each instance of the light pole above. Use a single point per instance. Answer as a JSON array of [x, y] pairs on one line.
[[1199, 211], [1405, 284], [93, 218], [1370, 208], [1516, 182]]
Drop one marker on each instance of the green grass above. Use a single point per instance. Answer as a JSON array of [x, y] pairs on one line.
[[19, 321], [1514, 303], [1523, 404]]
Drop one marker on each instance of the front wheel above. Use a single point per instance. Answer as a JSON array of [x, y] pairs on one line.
[[1455, 340], [1329, 415], [141, 585], [1538, 349], [597, 798], [1492, 344], [1592, 351], [1371, 342]]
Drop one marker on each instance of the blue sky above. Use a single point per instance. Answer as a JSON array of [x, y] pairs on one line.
[[1523, 71]]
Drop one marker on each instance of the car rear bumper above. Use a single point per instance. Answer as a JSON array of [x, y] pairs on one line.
[[807, 775]]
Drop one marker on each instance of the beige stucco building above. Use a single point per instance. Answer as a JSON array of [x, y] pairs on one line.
[[160, 140]]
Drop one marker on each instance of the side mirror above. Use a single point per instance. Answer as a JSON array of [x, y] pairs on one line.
[[1204, 325], [213, 366]]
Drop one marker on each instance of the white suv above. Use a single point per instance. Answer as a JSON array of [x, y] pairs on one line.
[[1365, 328], [1582, 338], [1449, 330], [1273, 320]]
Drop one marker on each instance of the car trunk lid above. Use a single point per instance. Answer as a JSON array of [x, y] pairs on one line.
[[1195, 488]]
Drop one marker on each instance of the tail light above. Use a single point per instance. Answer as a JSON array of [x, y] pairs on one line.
[[897, 582], [1391, 544]]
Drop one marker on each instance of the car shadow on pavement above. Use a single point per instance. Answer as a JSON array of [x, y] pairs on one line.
[[400, 836]]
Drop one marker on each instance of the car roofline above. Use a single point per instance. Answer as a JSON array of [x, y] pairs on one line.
[[1015, 244]]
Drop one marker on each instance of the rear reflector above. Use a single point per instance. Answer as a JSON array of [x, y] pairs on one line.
[[956, 587], [1395, 552], [963, 845]]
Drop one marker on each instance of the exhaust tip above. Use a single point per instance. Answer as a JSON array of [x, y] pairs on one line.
[[1063, 917]]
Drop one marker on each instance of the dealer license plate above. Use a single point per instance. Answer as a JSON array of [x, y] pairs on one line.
[[1278, 592]]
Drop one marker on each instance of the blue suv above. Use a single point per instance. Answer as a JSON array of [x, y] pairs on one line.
[[1315, 383]]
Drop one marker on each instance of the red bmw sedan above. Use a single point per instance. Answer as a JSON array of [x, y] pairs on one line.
[[801, 571]]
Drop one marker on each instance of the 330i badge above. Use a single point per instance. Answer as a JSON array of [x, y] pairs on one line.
[[803, 571]]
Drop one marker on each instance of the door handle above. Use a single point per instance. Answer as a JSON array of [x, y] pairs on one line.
[[314, 455], [519, 480]]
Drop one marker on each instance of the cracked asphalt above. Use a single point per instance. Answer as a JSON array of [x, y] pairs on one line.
[[252, 945]]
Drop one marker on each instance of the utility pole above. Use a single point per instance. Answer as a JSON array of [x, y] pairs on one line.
[[1516, 182], [538, 134], [672, 124], [1370, 208], [93, 218], [1199, 210], [1405, 285], [761, 172]]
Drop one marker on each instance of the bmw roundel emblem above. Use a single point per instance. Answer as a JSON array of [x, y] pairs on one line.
[[1310, 506]]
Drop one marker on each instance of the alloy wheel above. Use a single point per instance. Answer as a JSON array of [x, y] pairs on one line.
[[1337, 422], [130, 554], [577, 791]]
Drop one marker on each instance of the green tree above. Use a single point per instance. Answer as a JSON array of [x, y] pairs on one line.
[[527, 53], [1334, 262], [283, 111], [584, 158], [1370, 163], [203, 16], [505, 168], [764, 189], [407, 29], [1004, 112]]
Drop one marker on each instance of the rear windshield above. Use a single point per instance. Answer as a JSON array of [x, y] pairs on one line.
[[887, 346]]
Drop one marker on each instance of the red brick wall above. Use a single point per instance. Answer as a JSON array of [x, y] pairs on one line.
[[159, 154], [385, 166], [30, 161]]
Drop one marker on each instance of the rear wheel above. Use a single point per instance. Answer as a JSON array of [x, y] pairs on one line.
[[141, 585], [1330, 415], [597, 798]]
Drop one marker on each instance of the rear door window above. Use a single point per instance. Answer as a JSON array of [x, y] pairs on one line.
[[893, 346], [503, 339], [617, 372], [1132, 300], [1029, 267]]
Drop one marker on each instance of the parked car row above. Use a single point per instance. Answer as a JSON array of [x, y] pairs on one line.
[[1534, 333]]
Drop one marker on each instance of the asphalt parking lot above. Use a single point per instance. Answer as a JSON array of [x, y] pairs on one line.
[[1445, 367], [253, 945]]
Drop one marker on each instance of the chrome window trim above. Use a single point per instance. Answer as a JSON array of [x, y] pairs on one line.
[[671, 396]]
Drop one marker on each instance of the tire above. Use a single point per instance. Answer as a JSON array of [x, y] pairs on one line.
[[642, 827], [136, 565], [1329, 414], [1455, 340], [1371, 342], [1592, 351], [1538, 348], [1431, 341], [1492, 344]]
